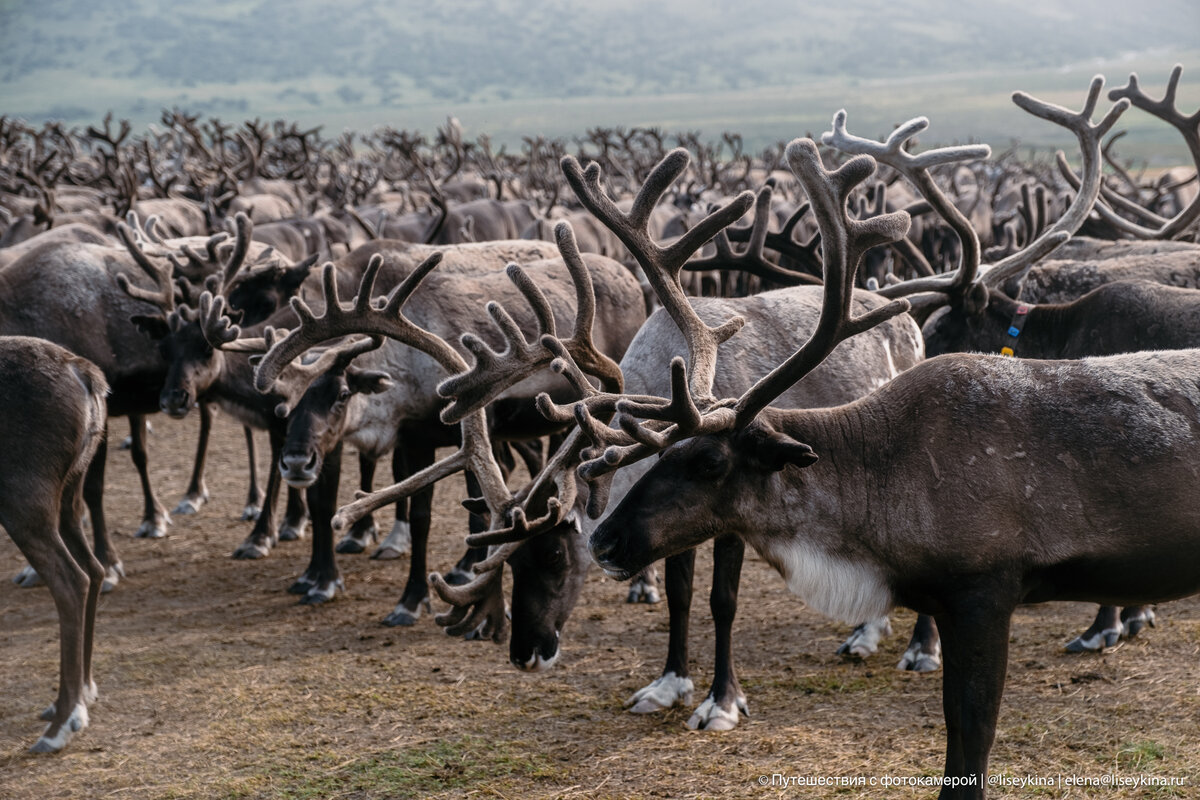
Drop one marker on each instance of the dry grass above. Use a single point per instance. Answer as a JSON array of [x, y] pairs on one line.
[[215, 684]]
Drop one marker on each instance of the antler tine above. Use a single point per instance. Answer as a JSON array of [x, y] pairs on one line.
[[163, 295], [751, 259], [1089, 136], [1189, 126], [844, 242], [216, 326], [361, 317], [244, 227], [916, 168], [495, 372], [662, 265]]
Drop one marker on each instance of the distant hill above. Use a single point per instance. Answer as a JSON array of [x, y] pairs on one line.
[[351, 63]]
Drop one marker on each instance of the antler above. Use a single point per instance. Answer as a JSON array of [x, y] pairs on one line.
[[1189, 126], [163, 294], [916, 169], [360, 317], [494, 372], [663, 264], [1089, 136], [844, 241], [751, 259]]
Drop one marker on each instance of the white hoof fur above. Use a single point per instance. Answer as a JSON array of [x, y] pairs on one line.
[[28, 578], [191, 505], [153, 528], [711, 717], [75, 723], [865, 639], [112, 576], [665, 692], [397, 543], [917, 660]]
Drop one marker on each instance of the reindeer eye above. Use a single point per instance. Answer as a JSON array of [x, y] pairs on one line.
[[343, 395]]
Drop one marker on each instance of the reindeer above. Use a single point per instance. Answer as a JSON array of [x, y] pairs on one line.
[[908, 497], [329, 406], [52, 422]]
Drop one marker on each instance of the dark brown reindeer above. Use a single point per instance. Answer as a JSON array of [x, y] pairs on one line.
[[912, 496], [52, 421], [1117, 317]]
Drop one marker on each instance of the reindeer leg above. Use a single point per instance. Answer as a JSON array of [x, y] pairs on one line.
[[399, 541], [71, 530], [924, 651], [155, 518], [321, 582], [264, 534], [675, 685], [719, 711], [35, 531], [1134, 618], [295, 516], [421, 453], [1105, 631], [975, 632], [197, 491], [363, 532], [462, 573], [254, 497], [93, 495]]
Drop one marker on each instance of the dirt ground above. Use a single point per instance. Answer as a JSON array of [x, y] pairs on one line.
[[215, 684]]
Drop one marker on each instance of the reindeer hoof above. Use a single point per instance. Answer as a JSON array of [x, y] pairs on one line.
[[402, 617], [53, 743], [293, 531], [356, 541], [1134, 623], [250, 550], [667, 691], [251, 512], [323, 593], [397, 543], [191, 504], [711, 716], [153, 528], [28, 578], [1094, 642], [864, 640], [642, 591], [915, 659], [112, 576]]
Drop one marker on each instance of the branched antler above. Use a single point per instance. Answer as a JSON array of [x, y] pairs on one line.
[[494, 372]]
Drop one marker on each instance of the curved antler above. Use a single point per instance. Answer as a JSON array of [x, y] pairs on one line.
[[1168, 111], [915, 168]]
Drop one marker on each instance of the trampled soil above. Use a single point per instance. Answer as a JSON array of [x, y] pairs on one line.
[[214, 683]]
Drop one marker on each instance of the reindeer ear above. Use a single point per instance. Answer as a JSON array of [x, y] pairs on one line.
[[975, 301], [153, 325], [367, 381], [773, 450]]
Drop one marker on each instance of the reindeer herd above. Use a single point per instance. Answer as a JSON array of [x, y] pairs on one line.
[[920, 378]]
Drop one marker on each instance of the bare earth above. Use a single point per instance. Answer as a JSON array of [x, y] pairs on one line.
[[214, 683]]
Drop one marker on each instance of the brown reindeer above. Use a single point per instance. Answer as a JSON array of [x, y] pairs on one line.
[[967, 485], [52, 419]]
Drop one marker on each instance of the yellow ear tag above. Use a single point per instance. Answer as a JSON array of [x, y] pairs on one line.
[[1006, 351]]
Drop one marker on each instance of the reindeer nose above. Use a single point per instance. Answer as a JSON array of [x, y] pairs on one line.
[[299, 469], [175, 402]]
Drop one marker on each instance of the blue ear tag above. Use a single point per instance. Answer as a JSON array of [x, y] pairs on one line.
[[1014, 331]]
